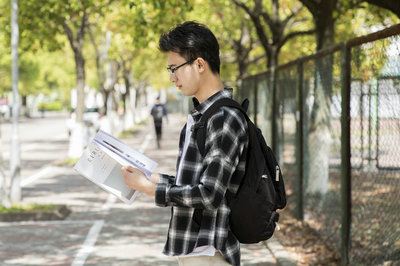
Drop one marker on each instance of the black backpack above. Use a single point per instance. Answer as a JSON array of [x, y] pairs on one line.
[[253, 213]]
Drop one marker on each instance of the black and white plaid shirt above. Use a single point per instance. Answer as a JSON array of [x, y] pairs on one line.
[[199, 208]]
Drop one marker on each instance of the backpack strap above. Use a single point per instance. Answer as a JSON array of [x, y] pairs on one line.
[[200, 127]]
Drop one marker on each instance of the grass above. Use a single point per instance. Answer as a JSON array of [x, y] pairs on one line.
[[68, 162], [128, 133], [19, 208]]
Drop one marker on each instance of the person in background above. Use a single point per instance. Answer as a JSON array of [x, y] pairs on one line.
[[158, 111]]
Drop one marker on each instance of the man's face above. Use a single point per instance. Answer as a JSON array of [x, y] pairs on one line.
[[185, 77]]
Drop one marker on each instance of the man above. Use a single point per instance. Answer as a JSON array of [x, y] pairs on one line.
[[199, 232], [158, 111]]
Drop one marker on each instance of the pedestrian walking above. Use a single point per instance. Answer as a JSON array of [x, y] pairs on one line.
[[158, 111], [199, 232], [42, 110]]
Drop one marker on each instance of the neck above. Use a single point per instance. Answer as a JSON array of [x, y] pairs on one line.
[[210, 85]]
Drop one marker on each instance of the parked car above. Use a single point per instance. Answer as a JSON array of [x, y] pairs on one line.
[[91, 118], [5, 112]]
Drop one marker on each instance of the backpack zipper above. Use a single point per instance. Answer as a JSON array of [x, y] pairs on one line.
[[277, 174]]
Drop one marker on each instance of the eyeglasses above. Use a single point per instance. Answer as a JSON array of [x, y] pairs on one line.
[[172, 70]]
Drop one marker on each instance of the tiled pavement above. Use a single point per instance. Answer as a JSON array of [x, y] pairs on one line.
[[101, 229]]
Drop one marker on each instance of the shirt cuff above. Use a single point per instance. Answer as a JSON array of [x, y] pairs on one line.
[[161, 194], [166, 179]]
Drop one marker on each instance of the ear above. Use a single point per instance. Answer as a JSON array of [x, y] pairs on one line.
[[201, 64]]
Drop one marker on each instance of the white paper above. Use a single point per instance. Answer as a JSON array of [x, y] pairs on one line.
[[102, 160]]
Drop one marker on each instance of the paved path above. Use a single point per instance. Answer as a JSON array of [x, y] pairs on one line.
[[101, 229]]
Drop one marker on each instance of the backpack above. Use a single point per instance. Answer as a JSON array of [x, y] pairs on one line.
[[253, 215], [158, 112]]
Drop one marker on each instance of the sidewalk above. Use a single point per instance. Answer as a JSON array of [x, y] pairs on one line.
[[101, 229]]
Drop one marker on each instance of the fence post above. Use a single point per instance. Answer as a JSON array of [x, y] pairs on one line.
[[300, 142], [255, 91], [346, 159], [274, 113]]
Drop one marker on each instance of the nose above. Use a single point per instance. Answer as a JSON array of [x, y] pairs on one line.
[[172, 77]]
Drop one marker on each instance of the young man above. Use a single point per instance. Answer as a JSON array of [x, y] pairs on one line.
[[199, 232]]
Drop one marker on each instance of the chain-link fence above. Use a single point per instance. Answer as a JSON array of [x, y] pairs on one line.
[[375, 138], [334, 123]]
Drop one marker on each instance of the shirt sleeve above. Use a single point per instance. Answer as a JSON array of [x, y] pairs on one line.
[[226, 139]]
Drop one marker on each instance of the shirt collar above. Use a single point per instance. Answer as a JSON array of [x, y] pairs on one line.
[[199, 109]]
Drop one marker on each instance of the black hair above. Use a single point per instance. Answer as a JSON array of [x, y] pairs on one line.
[[192, 40]]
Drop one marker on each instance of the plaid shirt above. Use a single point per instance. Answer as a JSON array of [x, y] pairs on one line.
[[199, 207]]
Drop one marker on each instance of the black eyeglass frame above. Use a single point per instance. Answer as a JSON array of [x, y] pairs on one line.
[[172, 70]]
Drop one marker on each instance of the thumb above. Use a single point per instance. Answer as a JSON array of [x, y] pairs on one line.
[[128, 168]]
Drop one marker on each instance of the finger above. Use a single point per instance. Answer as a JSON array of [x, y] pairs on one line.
[[129, 168]]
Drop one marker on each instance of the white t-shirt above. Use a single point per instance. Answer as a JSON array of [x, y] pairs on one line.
[[203, 250]]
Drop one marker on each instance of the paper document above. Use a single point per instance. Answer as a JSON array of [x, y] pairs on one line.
[[102, 160]]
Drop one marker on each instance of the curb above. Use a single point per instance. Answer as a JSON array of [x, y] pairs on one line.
[[278, 251]]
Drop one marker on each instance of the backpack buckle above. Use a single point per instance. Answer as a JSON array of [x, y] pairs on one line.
[[196, 126]]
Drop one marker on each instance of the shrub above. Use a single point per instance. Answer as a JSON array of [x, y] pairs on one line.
[[51, 106]]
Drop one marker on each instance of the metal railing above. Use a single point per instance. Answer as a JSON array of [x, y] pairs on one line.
[[333, 121]]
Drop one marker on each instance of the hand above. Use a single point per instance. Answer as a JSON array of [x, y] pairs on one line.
[[136, 179]]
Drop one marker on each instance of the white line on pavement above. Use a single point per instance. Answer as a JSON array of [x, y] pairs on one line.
[[32, 178], [110, 200], [145, 143], [88, 245], [94, 232]]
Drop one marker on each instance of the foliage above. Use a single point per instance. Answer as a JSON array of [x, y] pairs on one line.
[[136, 27], [46, 60], [68, 162], [51, 106], [127, 133]]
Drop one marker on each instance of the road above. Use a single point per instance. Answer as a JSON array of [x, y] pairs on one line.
[[43, 141]]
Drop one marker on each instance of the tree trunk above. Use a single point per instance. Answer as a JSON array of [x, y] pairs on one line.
[[319, 135], [105, 94], [100, 59], [319, 138], [77, 140], [80, 84]]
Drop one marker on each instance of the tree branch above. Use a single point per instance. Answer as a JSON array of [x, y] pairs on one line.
[[311, 5], [254, 60], [295, 34], [288, 18], [70, 35], [393, 6], [256, 20]]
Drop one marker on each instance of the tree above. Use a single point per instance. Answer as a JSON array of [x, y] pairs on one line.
[[272, 30], [275, 27], [325, 14], [319, 136], [42, 23], [136, 27], [238, 41], [106, 82]]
